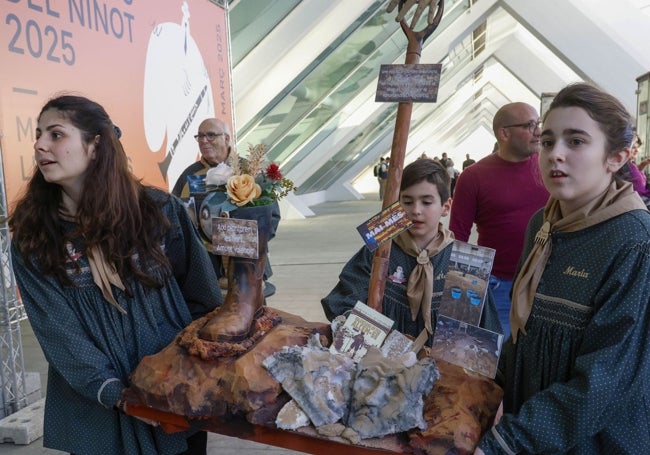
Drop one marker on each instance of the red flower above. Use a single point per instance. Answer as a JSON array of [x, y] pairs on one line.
[[273, 172]]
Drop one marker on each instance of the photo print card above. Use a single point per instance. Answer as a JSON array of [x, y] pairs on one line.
[[466, 282], [364, 327], [470, 347], [384, 226]]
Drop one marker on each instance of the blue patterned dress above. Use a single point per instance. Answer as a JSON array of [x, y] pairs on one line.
[[92, 348], [579, 381]]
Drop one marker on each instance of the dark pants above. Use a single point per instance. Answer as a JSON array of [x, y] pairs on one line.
[[197, 444], [501, 292]]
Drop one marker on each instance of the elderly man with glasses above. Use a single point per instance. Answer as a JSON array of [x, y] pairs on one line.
[[499, 194], [214, 144], [213, 138]]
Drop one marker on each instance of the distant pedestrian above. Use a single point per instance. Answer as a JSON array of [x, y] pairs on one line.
[[468, 162], [448, 163], [381, 172]]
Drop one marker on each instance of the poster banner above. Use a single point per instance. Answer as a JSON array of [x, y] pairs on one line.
[[158, 67]]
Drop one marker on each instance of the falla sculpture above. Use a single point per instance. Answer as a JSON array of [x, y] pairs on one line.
[[230, 366]]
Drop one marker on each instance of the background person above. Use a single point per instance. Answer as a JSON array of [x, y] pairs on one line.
[[576, 368], [382, 176], [499, 194], [109, 271], [636, 176], [213, 138], [448, 163], [468, 162]]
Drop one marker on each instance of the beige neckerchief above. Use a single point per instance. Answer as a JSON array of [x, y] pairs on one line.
[[618, 199], [104, 274], [420, 284]]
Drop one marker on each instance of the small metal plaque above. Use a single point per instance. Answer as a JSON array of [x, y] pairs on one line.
[[409, 83]]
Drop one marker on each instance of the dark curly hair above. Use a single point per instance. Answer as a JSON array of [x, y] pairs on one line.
[[115, 213]]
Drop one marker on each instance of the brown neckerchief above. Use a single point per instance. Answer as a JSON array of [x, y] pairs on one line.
[[420, 283], [619, 198], [104, 274]]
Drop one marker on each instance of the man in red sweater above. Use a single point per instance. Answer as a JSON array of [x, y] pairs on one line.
[[499, 194]]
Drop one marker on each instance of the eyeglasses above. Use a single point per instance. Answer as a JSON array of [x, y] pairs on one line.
[[210, 136], [531, 126]]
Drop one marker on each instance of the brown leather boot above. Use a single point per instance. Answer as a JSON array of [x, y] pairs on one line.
[[233, 321], [244, 301]]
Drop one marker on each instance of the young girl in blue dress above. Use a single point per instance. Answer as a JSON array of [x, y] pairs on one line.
[[575, 372]]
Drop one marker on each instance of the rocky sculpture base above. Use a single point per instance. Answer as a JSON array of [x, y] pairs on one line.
[[214, 350], [177, 382], [458, 410]]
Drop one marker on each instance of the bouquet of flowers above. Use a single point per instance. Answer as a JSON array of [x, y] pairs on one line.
[[246, 182]]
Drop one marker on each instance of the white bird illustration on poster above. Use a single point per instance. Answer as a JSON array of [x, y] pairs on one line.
[[177, 95]]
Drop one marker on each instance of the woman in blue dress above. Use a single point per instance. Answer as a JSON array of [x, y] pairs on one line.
[[576, 369], [109, 271]]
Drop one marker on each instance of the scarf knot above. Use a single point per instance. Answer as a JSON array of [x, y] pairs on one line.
[[423, 257], [619, 198], [419, 290]]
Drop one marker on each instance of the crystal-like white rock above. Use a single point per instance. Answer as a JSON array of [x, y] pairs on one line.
[[318, 381], [291, 417]]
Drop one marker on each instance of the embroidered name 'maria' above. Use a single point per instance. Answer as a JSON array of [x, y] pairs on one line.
[[577, 273]]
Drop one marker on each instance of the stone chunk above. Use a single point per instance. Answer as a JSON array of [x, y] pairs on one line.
[[388, 394], [291, 417], [320, 382]]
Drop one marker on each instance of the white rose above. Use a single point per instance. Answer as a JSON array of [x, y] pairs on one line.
[[218, 175]]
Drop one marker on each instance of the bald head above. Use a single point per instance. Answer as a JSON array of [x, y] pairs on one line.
[[214, 151], [216, 125], [516, 131], [511, 114]]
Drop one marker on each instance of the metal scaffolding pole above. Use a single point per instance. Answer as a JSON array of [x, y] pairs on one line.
[[12, 371]]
